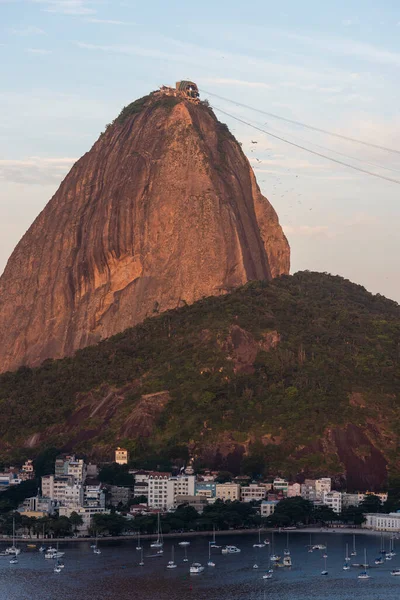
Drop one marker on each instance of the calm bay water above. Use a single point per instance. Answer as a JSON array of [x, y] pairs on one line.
[[116, 575]]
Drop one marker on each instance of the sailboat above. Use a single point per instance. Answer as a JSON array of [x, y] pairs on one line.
[[210, 562], [354, 553], [391, 553], [364, 574], [286, 551], [138, 547], [159, 542], [13, 549], [346, 566], [379, 559], [96, 549], [213, 544], [310, 547], [58, 567], [325, 571], [259, 544], [269, 573], [171, 563], [325, 554], [185, 558], [141, 564], [274, 557], [42, 547]]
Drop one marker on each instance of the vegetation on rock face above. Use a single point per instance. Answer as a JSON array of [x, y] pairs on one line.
[[237, 400]]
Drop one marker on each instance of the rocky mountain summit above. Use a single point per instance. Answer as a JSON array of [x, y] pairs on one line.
[[162, 211]]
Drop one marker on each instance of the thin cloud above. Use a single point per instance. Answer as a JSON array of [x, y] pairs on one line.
[[35, 170], [67, 7], [108, 22], [308, 230], [348, 47], [238, 82], [24, 31], [39, 51]]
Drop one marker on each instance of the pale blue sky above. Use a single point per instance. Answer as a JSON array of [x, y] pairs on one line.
[[68, 66]]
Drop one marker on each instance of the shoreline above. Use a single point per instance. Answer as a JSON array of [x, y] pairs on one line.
[[207, 534]]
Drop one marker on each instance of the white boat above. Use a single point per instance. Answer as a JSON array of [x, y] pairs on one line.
[[184, 543], [287, 561], [171, 563], [266, 542], [346, 566], [354, 552], [286, 551], [230, 550], [319, 547], [96, 549], [141, 564], [185, 558], [213, 544], [255, 566], [259, 544], [57, 569], [53, 553], [395, 572], [14, 561], [159, 542], [138, 547], [364, 574], [196, 568], [267, 576], [42, 548], [325, 571], [210, 563]]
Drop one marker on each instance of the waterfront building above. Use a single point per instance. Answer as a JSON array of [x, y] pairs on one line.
[[280, 485], [267, 507], [227, 491], [253, 492], [207, 489], [321, 486], [294, 489], [333, 499], [382, 522]]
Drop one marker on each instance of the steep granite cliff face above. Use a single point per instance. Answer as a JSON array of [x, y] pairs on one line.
[[162, 211]]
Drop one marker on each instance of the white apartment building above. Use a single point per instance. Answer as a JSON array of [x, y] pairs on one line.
[[333, 499], [86, 513], [227, 491], [322, 485], [267, 507], [184, 485], [77, 470], [294, 489], [308, 490], [94, 494], [382, 522], [280, 485], [63, 490], [163, 489], [54, 487], [252, 492]]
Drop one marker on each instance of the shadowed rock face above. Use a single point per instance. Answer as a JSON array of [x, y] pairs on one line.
[[163, 210]]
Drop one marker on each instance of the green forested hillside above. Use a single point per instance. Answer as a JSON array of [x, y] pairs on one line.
[[297, 376]]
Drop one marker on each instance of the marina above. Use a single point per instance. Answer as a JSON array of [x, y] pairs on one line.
[[121, 568]]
